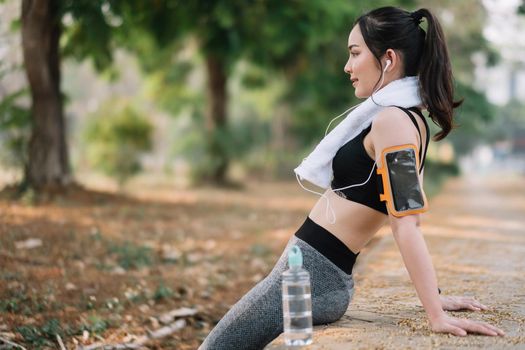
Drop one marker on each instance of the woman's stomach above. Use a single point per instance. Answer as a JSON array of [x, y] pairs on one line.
[[355, 223]]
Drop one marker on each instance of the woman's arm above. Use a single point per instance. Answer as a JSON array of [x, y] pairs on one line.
[[450, 302], [419, 265], [417, 260], [391, 128]]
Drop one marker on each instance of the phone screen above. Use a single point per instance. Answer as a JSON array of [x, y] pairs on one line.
[[404, 181]]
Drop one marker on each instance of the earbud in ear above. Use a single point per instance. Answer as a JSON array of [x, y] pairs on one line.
[[388, 63]]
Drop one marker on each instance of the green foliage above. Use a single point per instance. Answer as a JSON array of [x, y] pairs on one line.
[[304, 44], [26, 304], [162, 292], [10, 305], [472, 118], [436, 173], [170, 89], [116, 136], [44, 336], [33, 335], [239, 140], [282, 38], [131, 256], [95, 325], [51, 328], [88, 33], [15, 129], [191, 144], [39, 337], [509, 122], [521, 8]]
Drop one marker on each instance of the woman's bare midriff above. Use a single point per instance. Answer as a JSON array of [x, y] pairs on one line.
[[355, 223]]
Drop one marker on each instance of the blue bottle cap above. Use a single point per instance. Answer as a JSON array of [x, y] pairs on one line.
[[295, 257]]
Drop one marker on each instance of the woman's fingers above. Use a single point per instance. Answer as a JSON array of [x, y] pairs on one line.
[[465, 306], [481, 306], [495, 329], [452, 329], [475, 303], [470, 303], [462, 326], [477, 327], [478, 304], [457, 331]]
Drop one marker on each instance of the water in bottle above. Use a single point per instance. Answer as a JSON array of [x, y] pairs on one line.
[[297, 301]]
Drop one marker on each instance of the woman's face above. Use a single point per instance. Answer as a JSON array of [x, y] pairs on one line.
[[362, 66]]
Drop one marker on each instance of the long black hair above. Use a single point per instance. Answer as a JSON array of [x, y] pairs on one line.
[[424, 54]]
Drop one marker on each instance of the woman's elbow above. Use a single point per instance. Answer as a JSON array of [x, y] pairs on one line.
[[404, 223]]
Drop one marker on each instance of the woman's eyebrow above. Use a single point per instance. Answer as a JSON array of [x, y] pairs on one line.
[[351, 46]]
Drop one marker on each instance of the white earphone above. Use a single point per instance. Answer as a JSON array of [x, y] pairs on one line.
[[388, 63]]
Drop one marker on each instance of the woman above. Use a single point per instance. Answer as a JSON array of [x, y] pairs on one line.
[[400, 69]]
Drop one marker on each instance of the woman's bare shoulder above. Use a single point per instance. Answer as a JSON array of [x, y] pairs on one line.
[[392, 126], [390, 117]]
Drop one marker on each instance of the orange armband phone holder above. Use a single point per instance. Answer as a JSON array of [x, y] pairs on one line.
[[402, 188]]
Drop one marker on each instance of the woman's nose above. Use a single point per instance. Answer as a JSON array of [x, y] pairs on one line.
[[348, 67]]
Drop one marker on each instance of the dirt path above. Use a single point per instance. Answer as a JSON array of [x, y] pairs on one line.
[[475, 232]]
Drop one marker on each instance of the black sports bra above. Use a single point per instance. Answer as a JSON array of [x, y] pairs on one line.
[[352, 165]]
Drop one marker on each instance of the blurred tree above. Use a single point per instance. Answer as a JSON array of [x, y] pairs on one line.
[[116, 136], [42, 28], [304, 42], [48, 161], [219, 28], [292, 39], [85, 29]]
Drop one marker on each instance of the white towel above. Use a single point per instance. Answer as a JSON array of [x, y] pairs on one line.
[[317, 166]]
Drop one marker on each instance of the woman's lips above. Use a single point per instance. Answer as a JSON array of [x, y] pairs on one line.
[[354, 82]]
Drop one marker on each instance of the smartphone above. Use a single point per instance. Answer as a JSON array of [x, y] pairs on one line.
[[404, 180]]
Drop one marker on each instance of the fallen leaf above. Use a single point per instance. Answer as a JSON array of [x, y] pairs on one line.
[[29, 243], [182, 312]]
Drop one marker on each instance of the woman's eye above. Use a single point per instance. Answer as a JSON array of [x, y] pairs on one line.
[[353, 54]]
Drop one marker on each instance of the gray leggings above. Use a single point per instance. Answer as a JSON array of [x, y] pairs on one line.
[[257, 319]]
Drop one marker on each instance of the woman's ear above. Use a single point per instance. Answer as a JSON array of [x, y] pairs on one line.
[[394, 58]]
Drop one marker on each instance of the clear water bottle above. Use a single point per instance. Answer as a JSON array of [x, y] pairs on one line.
[[297, 301]]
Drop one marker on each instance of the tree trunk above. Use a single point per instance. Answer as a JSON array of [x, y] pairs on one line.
[[48, 165], [216, 120]]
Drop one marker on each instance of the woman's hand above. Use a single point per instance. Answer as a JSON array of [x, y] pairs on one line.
[[461, 326], [455, 303]]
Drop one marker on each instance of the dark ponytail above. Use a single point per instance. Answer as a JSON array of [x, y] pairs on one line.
[[423, 53], [435, 76]]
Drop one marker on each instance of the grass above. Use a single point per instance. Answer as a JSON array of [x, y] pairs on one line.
[[163, 292], [132, 256], [24, 304], [44, 336]]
